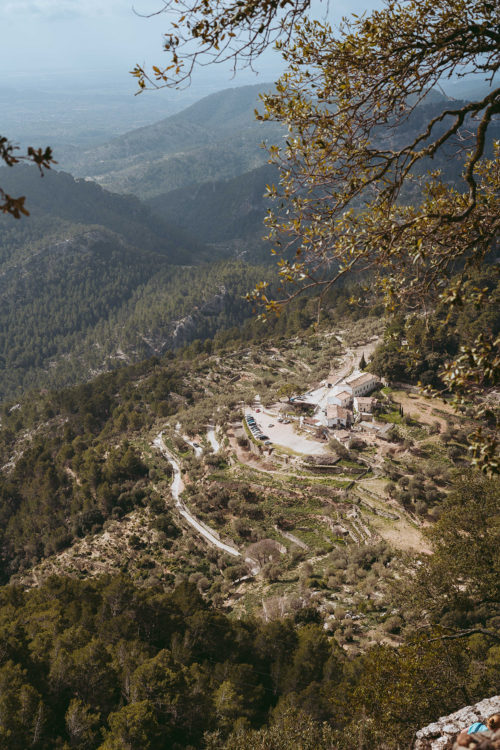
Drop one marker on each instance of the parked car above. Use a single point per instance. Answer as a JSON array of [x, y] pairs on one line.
[[280, 419], [270, 425]]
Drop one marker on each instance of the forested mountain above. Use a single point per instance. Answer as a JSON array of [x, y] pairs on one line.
[[216, 138], [148, 638], [229, 213], [204, 169], [221, 530], [92, 279], [57, 202]]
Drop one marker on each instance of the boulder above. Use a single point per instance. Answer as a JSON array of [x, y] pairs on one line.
[[441, 734]]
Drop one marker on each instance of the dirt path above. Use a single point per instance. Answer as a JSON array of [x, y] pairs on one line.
[[198, 450], [351, 360], [176, 488], [291, 538], [212, 439]]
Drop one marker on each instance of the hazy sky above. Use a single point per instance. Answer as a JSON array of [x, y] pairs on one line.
[[65, 67], [76, 36], [99, 37]]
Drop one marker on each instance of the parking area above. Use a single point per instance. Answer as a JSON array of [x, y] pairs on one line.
[[284, 435], [257, 430]]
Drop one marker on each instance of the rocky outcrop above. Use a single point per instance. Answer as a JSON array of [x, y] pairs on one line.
[[441, 734]]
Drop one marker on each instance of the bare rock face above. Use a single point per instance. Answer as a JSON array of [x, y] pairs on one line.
[[440, 734]]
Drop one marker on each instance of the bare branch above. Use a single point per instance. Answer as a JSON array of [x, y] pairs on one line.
[[467, 634]]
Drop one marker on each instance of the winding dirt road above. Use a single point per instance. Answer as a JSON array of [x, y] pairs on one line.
[[212, 439], [176, 488]]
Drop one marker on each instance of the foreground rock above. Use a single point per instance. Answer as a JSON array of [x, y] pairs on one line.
[[441, 734]]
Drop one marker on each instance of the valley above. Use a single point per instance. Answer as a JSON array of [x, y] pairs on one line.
[[248, 504], [280, 527]]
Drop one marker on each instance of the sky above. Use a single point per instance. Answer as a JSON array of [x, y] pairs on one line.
[[76, 38], [65, 67], [100, 41]]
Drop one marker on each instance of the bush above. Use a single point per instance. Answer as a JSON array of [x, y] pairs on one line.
[[435, 512], [271, 572], [394, 435], [405, 499], [393, 625], [307, 615], [136, 542], [421, 507], [454, 452], [337, 447]]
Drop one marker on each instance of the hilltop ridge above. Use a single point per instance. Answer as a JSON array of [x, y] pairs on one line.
[[216, 138]]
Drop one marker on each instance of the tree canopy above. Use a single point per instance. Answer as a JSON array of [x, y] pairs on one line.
[[8, 154], [351, 170], [379, 178], [203, 32]]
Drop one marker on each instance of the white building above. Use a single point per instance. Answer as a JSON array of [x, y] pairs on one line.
[[363, 404], [336, 416], [343, 399], [360, 384]]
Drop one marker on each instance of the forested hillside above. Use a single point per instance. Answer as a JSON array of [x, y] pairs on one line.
[[105, 664], [93, 279], [227, 213], [253, 505], [155, 636], [58, 203], [216, 138]]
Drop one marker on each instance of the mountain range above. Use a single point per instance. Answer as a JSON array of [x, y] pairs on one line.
[[92, 279], [215, 138], [98, 278]]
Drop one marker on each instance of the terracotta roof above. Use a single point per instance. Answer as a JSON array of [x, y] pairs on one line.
[[342, 395], [336, 412], [366, 377], [365, 400]]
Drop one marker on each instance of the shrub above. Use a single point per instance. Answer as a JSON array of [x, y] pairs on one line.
[[308, 615], [421, 507], [136, 542], [393, 624]]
